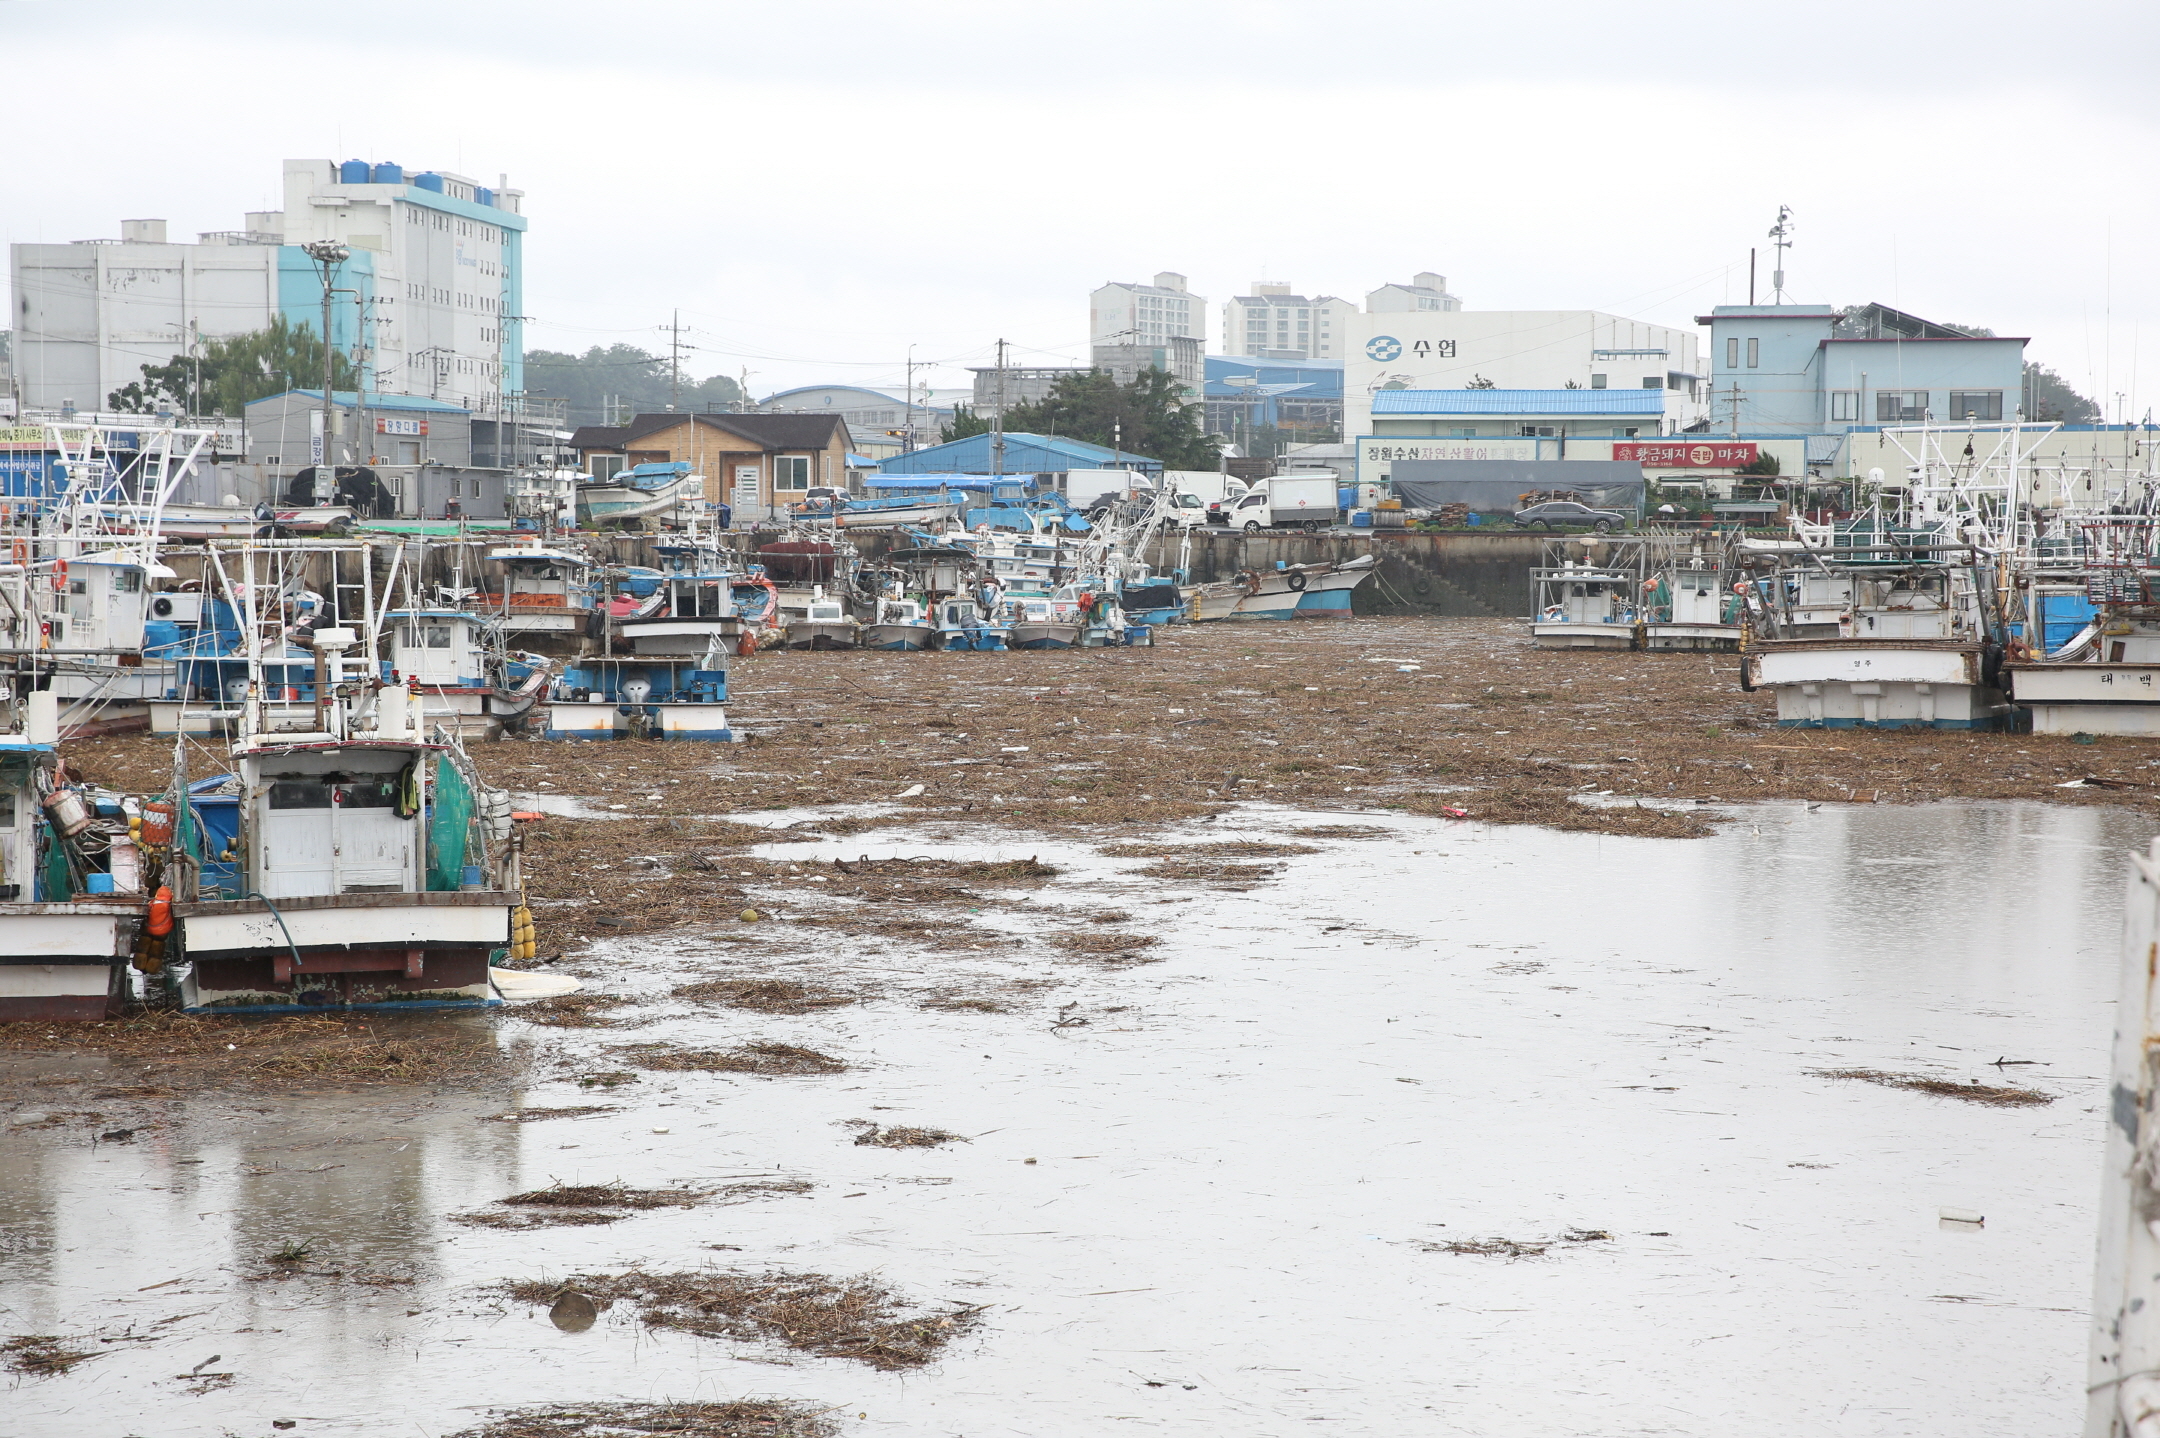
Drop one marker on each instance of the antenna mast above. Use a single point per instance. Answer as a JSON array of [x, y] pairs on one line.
[[1781, 234]]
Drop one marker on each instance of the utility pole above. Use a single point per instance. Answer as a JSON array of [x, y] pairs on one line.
[[997, 420], [907, 443], [1735, 417], [675, 363], [328, 255]]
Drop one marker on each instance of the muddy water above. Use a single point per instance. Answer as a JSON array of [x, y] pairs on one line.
[[1244, 1161]]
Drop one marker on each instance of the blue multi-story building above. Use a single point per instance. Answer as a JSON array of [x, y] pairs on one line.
[[1243, 395], [1817, 370]]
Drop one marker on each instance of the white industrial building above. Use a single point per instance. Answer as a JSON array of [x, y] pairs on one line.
[[432, 288], [1273, 323], [1419, 349]]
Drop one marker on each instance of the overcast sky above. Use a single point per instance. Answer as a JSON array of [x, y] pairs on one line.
[[819, 186]]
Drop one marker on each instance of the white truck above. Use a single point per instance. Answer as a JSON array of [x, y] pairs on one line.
[[1288, 501], [1096, 491]]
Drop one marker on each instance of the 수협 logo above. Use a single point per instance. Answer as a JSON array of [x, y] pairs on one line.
[[1384, 348]]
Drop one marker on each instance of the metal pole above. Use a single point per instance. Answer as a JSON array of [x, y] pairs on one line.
[[997, 420]]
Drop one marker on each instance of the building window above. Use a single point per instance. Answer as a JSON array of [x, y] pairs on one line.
[[1896, 405], [1980, 404], [1597, 381], [1844, 406], [1732, 354], [791, 472], [1754, 352], [1651, 381]]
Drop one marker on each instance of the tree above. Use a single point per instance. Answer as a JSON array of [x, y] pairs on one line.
[[234, 371], [1147, 416], [635, 380], [964, 423], [1478, 381]]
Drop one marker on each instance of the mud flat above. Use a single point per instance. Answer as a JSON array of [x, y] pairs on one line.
[[1411, 1124]]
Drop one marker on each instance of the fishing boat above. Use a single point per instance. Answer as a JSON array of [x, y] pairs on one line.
[[544, 596], [898, 623], [697, 609], [1919, 644], [961, 625], [1581, 605], [641, 493], [1043, 622], [823, 623], [1290, 591], [375, 869], [642, 696], [71, 874], [2104, 676], [458, 680], [1689, 604]]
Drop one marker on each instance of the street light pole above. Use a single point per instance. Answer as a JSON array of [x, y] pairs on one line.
[[327, 254]]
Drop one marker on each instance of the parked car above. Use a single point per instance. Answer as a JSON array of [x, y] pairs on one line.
[[1557, 512]]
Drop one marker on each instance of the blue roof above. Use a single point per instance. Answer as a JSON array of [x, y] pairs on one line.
[[375, 401], [1519, 401], [1024, 454]]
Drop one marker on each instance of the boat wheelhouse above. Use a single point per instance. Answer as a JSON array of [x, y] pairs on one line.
[[1581, 605]]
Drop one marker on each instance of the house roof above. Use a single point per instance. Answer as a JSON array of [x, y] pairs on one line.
[[1024, 454], [1519, 401], [766, 431], [597, 436]]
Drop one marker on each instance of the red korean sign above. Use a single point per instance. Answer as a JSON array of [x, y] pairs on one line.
[[1688, 454]]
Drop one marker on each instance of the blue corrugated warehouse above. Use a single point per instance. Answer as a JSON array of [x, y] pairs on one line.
[[1024, 454]]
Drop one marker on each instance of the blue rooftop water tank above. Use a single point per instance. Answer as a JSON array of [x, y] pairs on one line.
[[387, 173], [354, 172], [429, 181], [483, 195]]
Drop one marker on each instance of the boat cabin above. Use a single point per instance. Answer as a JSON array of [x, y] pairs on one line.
[[436, 648]]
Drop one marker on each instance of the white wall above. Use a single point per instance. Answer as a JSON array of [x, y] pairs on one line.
[[1515, 349], [89, 316]]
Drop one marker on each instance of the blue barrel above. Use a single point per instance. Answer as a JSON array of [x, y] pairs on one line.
[[387, 173], [354, 172], [428, 181]]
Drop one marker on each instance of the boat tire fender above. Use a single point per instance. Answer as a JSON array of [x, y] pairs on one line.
[[1747, 681], [1296, 580]]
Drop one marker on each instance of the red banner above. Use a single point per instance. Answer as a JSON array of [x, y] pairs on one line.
[[1688, 454]]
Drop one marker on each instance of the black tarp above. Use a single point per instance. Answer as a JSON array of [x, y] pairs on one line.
[[1149, 596], [1495, 485]]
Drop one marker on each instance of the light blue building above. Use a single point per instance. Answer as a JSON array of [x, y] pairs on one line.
[[1518, 413], [1023, 454], [1817, 370]]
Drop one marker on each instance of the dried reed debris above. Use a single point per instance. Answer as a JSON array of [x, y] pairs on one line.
[[538, 1115], [765, 996], [1513, 1248], [856, 1318], [1217, 849], [1992, 1095], [41, 1355], [738, 1418], [901, 1137], [571, 1011], [769, 1059]]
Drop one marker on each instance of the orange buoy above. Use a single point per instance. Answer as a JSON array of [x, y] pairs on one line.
[[160, 921]]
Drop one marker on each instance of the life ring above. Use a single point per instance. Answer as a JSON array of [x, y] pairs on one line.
[[59, 574], [1295, 580], [1249, 581]]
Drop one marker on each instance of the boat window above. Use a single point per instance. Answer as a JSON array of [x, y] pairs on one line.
[[127, 581], [438, 636], [7, 811], [299, 794], [370, 793]]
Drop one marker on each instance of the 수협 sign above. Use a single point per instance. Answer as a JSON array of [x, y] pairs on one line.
[[415, 427], [1688, 454]]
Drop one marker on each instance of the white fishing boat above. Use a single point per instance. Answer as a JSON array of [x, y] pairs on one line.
[[654, 492], [1691, 605], [697, 610], [543, 595], [2105, 678], [71, 901], [1291, 591], [823, 623], [1581, 605], [457, 681], [898, 624], [1050, 622], [378, 871]]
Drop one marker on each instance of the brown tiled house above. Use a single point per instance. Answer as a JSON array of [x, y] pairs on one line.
[[756, 464]]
